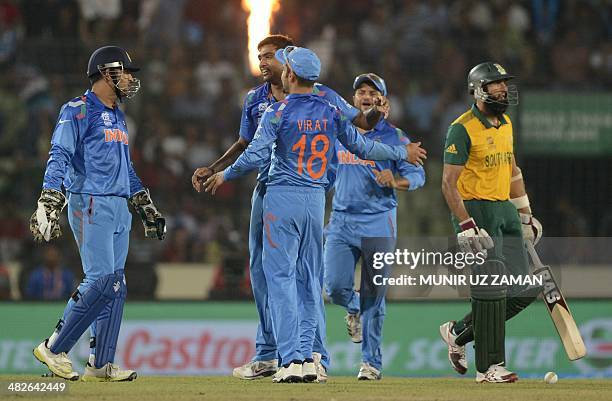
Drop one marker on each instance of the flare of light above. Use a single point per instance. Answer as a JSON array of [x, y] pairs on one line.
[[258, 23]]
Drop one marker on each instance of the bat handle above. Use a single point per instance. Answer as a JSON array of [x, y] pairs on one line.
[[534, 255]]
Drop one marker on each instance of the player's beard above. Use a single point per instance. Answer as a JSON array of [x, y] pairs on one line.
[[496, 107]]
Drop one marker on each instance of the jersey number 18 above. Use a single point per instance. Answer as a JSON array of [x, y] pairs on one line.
[[300, 146]]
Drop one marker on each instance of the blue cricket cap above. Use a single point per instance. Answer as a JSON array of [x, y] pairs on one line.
[[372, 78], [304, 62]]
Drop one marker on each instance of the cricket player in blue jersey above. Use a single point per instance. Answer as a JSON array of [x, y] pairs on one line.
[[90, 157], [264, 363], [297, 135], [365, 206]]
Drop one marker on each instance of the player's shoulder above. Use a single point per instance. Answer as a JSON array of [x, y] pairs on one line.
[[393, 135], [256, 94], [275, 111], [465, 118], [75, 108], [507, 118], [321, 90]]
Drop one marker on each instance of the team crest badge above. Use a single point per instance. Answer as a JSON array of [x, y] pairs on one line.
[[500, 69]]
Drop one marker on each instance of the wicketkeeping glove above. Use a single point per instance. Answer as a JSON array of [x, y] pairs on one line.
[[532, 228], [152, 220], [473, 239], [44, 223]]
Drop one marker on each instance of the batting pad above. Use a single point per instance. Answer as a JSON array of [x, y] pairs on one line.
[[103, 291], [108, 324]]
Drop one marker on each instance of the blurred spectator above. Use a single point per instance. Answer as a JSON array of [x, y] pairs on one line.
[[545, 17], [5, 284], [570, 61], [98, 17], [10, 32], [50, 280]]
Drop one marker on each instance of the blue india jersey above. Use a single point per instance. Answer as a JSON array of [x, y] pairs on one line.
[[90, 150], [298, 136], [257, 101], [355, 186]]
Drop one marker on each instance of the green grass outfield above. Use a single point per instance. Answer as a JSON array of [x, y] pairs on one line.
[[338, 388]]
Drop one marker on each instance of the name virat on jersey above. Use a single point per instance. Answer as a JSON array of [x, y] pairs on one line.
[[312, 125]]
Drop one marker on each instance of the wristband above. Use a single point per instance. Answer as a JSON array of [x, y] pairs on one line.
[[517, 177], [467, 224], [520, 202]]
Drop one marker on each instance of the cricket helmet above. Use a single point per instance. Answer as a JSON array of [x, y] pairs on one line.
[[116, 60], [488, 72]]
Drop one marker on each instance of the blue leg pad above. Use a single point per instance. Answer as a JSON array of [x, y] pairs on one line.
[[107, 327], [86, 309]]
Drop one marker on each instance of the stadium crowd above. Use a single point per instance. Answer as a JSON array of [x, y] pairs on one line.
[[195, 74]]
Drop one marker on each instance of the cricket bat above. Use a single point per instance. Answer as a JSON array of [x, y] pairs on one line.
[[559, 310]]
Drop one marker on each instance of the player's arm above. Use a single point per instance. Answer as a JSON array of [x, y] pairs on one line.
[[245, 135], [255, 155], [532, 228], [450, 176], [471, 238], [332, 168], [403, 176], [44, 223], [364, 147], [518, 195], [364, 120], [202, 173]]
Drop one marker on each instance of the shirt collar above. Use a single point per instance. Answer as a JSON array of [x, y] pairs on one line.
[[296, 95], [94, 98], [484, 120]]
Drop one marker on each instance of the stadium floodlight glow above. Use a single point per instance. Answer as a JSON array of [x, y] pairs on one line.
[[258, 23]]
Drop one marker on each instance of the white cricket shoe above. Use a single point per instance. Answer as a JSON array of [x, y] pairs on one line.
[[256, 369], [309, 372], [368, 372], [289, 374], [496, 374], [456, 353], [321, 371], [108, 373], [353, 326], [59, 364]]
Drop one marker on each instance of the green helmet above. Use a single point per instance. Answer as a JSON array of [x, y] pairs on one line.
[[486, 73]]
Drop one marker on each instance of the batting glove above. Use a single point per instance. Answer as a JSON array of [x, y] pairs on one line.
[[473, 239], [152, 220], [532, 228], [44, 223]]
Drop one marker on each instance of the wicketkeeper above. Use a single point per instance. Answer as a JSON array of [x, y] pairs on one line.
[[90, 157]]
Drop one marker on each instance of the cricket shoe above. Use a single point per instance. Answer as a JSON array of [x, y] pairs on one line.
[[309, 371], [456, 353], [321, 371], [496, 374], [59, 364], [353, 326], [289, 374], [107, 373], [368, 372], [256, 369]]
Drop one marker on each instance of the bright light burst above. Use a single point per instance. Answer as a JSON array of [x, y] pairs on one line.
[[258, 22]]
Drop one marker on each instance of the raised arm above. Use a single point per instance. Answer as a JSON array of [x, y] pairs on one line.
[[365, 148]]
